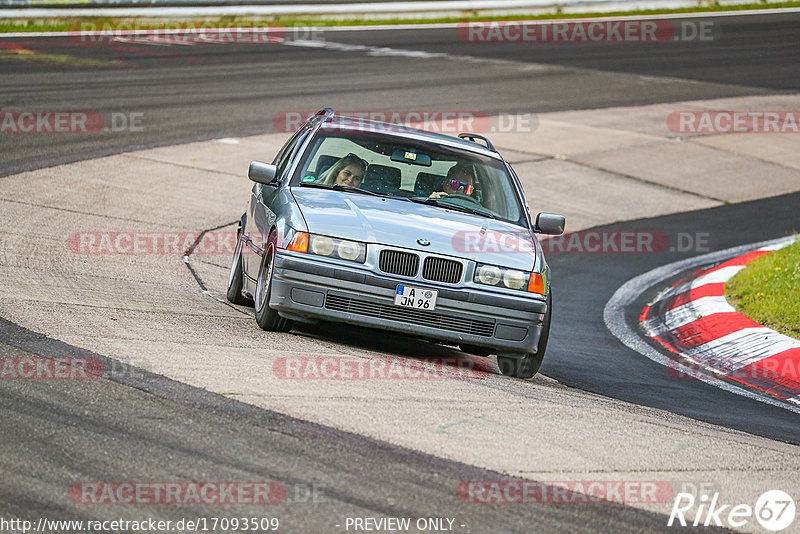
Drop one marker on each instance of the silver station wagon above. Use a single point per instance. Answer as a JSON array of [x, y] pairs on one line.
[[390, 227]]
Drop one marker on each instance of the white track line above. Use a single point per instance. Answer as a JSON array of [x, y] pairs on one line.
[[614, 313]]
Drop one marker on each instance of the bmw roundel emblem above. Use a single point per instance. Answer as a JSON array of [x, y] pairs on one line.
[[423, 242]]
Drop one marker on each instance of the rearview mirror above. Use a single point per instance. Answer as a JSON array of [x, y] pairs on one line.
[[411, 157], [263, 173], [549, 223]]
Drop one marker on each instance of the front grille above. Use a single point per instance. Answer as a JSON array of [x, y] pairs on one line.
[[407, 315], [441, 270], [398, 262]]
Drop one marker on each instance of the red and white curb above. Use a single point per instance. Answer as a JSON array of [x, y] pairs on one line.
[[630, 334], [693, 320]]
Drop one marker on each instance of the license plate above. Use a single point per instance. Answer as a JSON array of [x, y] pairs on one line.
[[415, 297]]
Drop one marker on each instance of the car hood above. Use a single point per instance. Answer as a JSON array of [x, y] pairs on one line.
[[399, 223]]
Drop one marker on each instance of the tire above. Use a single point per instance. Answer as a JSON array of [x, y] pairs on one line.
[[528, 365], [235, 285], [267, 318]]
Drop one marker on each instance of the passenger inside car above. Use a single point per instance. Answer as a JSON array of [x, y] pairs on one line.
[[347, 171]]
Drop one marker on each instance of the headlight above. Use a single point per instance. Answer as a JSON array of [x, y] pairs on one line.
[[322, 245], [488, 274], [348, 250], [510, 278], [514, 279]]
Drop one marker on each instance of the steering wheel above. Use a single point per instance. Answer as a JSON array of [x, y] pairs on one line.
[[461, 196]]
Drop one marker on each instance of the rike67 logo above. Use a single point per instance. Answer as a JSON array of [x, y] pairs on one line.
[[774, 510]]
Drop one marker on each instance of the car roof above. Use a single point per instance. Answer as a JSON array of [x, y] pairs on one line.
[[359, 124]]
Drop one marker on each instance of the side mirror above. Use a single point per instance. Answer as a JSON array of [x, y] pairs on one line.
[[549, 223], [263, 173]]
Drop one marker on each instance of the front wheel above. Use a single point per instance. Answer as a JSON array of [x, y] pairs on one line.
[[266, 317], [528, 365]]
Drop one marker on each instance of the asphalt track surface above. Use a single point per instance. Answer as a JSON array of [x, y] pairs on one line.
[[157, 428], [188, 93], [154, 429]]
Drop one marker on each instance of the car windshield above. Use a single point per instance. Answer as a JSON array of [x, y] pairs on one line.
[[431, 173]]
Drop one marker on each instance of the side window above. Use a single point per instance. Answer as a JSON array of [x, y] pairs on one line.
[[286, 145], [285, 155]]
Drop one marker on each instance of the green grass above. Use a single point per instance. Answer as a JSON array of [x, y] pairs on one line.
[[72, 23], [768, 290]]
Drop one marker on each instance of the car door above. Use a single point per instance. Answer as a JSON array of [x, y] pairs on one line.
[[261, 217]]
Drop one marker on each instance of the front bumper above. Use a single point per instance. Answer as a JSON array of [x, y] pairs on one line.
[[303, 288]]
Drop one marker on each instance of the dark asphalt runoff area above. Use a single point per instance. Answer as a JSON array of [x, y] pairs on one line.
[[137, 426]]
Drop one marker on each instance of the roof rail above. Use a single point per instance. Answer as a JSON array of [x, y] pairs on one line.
[[472, 137], [326, 114]]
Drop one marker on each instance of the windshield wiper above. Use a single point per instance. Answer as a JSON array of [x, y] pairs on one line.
[[350, 188], [341, 187], [456, 207]]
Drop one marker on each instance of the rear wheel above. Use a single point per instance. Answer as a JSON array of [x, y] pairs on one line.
[[266, 317], [235, 277], [527, 365]]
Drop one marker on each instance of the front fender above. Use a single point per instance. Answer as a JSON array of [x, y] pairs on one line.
[[283, 218]]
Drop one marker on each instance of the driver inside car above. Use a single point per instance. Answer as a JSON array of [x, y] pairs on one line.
[[460, 179]]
